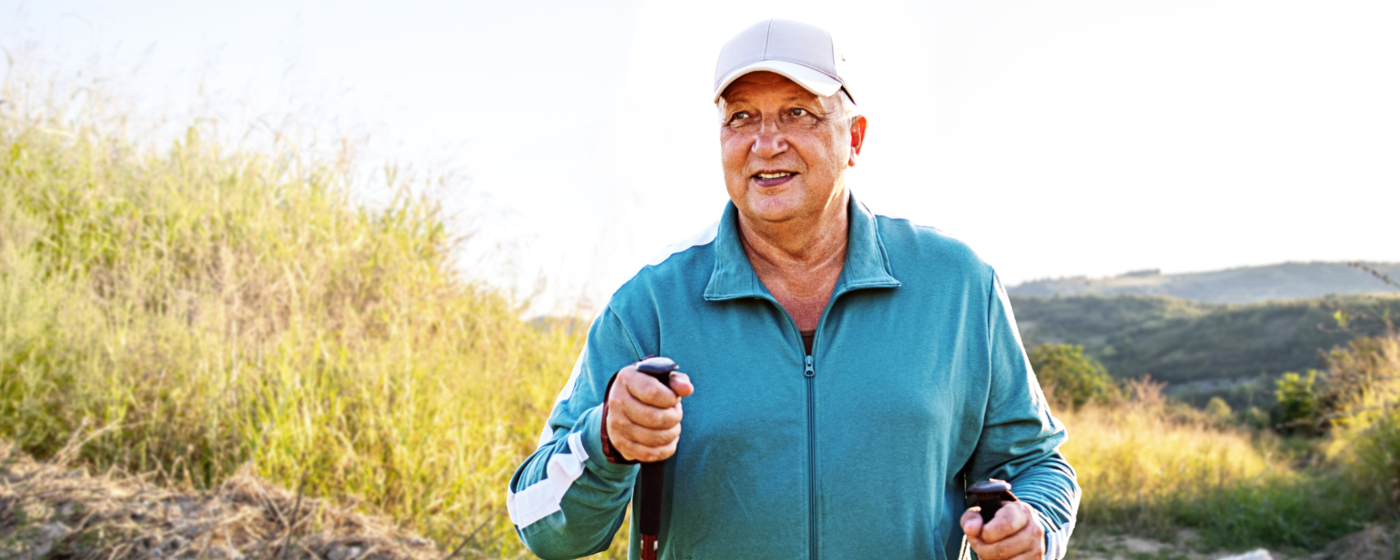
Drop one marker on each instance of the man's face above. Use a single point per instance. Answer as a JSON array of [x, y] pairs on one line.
[[783, 148]]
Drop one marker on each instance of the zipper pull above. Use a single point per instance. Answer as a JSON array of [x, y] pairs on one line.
[[810, 370]]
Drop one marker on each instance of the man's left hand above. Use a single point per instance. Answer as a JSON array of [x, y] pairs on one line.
[[1012, 535]]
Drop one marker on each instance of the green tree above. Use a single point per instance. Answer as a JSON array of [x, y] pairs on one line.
[[1299, 404], [1070, 377]]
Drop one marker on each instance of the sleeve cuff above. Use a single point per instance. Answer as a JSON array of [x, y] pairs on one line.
[[1056, 540], [589, 426]]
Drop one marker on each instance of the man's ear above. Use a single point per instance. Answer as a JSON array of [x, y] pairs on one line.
[[857, 139]]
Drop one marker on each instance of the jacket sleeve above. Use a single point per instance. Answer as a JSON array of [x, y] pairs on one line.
[[567, 500], [1020, 439]]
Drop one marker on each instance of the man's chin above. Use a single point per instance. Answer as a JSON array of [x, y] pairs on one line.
[[771, 210]]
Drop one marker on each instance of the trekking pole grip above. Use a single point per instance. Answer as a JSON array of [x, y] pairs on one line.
[[658, 368], [653, 475], [989, 494]]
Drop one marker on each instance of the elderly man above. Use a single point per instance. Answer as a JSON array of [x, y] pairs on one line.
[[850, 374]]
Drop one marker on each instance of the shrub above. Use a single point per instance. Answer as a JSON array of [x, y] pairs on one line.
[[1070, 377], [1218, 409], [1356, 370], [1366, 438], [1299, 405]]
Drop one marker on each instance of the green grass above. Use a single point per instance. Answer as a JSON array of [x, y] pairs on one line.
[[192, 308], [1302, 511]]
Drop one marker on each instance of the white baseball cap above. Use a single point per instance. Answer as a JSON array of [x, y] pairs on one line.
[[799, 52]]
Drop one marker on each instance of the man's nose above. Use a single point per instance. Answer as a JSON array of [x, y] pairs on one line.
[[769, 141]]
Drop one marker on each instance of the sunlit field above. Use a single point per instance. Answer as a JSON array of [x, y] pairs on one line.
[[187, 308], [193, 307], [1151, 467]]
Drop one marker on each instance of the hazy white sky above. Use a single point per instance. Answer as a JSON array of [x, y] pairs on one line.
[[1057, 138]]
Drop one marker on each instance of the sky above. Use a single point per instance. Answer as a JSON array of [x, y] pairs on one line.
[[1075, 137]]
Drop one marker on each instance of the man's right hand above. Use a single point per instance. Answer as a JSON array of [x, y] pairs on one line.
[[644, 416]]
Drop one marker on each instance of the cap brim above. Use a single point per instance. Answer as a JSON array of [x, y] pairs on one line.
[[811, 80]]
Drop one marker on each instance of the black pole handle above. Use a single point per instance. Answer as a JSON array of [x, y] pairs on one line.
[[658, 368], [653, 475], [989, 494]]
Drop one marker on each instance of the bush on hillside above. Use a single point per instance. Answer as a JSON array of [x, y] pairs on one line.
[[1310, 405], [1218, 409], [1366, 438], [1356, 370], [1298, 410], [1071, 378]]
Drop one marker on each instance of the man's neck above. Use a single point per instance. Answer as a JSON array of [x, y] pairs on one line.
[[797, 247], [799, 261]]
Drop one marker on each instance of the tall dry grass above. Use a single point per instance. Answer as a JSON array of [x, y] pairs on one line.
[[195, 307], [1147, 464]]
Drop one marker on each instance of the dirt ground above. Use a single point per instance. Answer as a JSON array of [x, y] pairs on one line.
[[47, 511], [1374, 543]]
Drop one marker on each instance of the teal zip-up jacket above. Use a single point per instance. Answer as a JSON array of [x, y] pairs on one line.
[[917, 386]]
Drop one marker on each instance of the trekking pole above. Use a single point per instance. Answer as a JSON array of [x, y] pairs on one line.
[[989, 494], [653, 475]]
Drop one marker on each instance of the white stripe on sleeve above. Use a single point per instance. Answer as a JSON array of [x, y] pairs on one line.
[[542, 498]]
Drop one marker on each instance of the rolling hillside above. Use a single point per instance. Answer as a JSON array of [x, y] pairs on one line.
[[1235, 285], [1182, 341]]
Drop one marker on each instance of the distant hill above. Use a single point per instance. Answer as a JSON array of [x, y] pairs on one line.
[[1182, 341], [1235, 285]]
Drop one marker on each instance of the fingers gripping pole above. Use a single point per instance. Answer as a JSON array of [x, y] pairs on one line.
[[653, 475], [989, 494]]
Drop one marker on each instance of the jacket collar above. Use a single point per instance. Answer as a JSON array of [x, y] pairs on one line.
[[867, 265]]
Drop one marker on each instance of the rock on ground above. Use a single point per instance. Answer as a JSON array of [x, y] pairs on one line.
[[1258, 554]]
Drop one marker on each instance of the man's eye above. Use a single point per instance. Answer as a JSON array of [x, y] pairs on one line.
[[741, 115], [799, 112]]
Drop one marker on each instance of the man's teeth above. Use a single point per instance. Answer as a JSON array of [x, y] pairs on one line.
[[773, 175]]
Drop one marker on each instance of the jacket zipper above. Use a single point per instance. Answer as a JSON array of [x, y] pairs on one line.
[[810, 374]]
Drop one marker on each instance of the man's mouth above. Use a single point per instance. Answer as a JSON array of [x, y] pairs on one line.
[[772, 178]]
